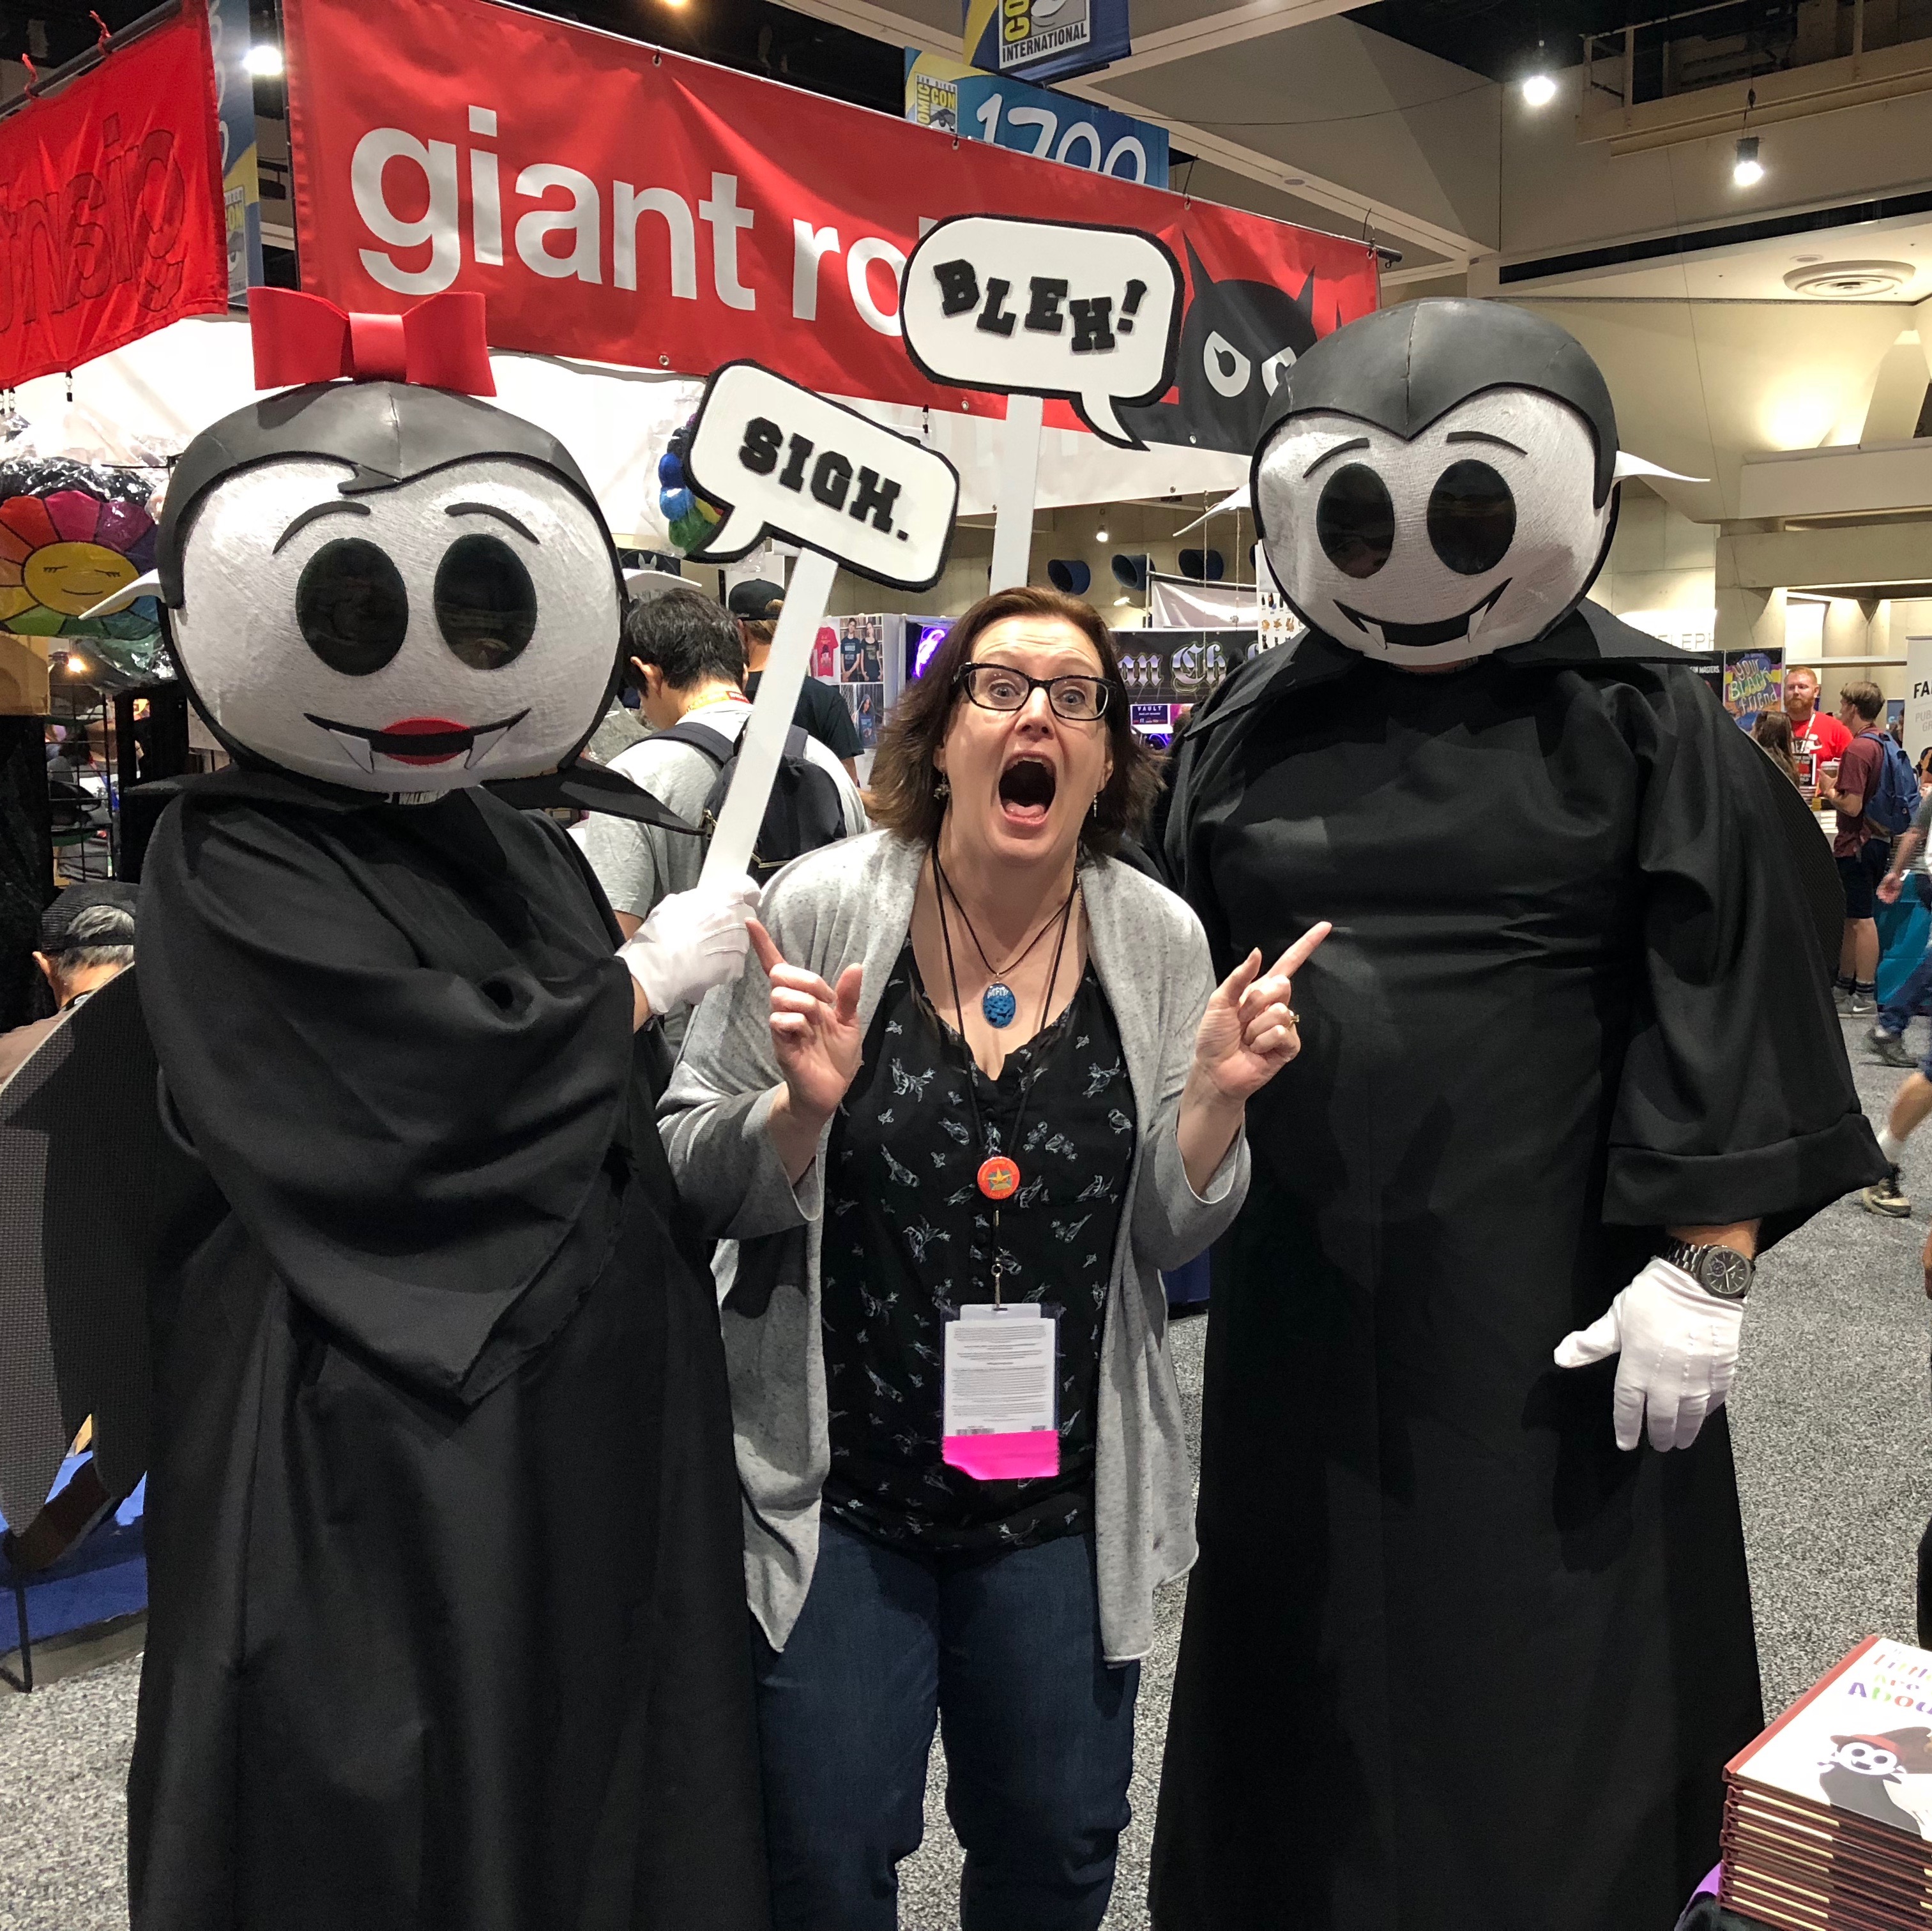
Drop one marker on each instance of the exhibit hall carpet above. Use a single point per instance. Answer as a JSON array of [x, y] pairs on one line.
[[1834, 1429]]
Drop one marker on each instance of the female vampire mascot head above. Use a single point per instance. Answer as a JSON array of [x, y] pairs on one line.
[[387, 585], [1437, 481]]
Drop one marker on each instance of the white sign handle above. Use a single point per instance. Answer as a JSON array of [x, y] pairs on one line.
[[1019, 481], [763, 743]]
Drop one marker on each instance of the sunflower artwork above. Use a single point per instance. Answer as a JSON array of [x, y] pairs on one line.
[[71, 536]]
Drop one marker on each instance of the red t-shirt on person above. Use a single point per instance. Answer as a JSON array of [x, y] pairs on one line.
[[1822, 734]]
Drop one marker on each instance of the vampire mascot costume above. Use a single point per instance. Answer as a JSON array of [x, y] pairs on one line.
[[1465, 1651], [447, 1625]]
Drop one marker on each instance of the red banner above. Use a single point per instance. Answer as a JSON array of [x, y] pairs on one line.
[[627, 206], [111, 221]]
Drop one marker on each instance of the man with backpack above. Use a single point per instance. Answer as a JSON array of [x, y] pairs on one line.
[[686, 658], [1874, 794]]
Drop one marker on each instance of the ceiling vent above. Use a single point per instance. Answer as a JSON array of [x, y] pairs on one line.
[[1845, 281]]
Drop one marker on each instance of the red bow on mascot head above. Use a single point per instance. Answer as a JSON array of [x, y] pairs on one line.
[[439, 344]]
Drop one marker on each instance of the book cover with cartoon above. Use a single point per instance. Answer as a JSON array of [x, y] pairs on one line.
[[1858, 1742]]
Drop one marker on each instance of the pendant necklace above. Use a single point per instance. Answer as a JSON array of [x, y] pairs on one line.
[[997, 1003], [999, 1175]]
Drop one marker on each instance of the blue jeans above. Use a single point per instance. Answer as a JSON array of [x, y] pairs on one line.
[[1912, 997], [1003, 1651]]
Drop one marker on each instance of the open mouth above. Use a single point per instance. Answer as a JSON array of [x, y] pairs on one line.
[[1421, 637], [1027, 790], [419, 741]]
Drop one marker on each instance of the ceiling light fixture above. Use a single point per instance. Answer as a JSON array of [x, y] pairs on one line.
[[264, 60], [1539, 87], [1099, 536], [1746, 170]]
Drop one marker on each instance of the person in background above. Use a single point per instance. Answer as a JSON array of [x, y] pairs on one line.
[[687, 657], [87, 937], [1887, 1038], [821, 712], [1863, 851], [1770, 731], [979, 1005], [1925, 771], [1823, 738]]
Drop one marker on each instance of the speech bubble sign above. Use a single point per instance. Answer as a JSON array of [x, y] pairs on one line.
[[783, 461], [1046, 308]]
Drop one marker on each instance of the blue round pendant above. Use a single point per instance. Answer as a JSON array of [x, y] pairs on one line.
[[998, 1004]]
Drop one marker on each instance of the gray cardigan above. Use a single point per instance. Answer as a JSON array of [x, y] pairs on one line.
[[853, 901]]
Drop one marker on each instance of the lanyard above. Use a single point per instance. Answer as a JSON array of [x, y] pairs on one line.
[[999, 1176]]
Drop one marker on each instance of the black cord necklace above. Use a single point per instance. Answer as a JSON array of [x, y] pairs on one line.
[[999, 1175], [996, 1003]]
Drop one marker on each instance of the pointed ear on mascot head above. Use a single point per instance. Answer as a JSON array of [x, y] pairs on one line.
[[1437, 480], [390, 587]]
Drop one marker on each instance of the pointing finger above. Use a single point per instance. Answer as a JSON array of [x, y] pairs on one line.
[[769, 957], [1298, 954]]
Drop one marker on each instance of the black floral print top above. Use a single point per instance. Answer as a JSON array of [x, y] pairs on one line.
[[908, 1237]]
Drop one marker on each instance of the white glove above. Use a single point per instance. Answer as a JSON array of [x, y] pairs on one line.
[[693, 941], [1680, 1354]]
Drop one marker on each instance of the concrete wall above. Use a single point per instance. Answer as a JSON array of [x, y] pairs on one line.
[[1660, 562]]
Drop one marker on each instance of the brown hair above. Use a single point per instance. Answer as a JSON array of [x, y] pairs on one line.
[[901, 796], [1772, 731], [1867, 700]]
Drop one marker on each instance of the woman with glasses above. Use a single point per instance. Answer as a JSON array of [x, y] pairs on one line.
[[984, 1090]]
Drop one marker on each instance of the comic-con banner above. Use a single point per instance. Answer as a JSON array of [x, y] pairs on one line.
[[111, 221], [624, 205]]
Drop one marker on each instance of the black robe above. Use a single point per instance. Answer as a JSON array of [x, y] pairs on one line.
[[1452, 1661], [447, 1624]]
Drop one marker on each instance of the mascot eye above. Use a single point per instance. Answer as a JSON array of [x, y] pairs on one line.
[[352, 606], [1224, 365], [1276, 366], [486, 605], [1471, 518], [1355, 520]]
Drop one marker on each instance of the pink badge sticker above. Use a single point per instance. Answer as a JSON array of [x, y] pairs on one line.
[[1004, 1458]]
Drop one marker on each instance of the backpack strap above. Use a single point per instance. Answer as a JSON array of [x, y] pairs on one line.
[[796, 739], [715, 745]]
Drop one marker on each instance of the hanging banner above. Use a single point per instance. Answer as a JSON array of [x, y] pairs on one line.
[[1919, 698], [1045, 40], [229, 39], [111, 222], [475, 146]]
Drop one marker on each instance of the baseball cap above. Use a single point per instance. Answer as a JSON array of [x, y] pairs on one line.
[[758, 600], [57, 933]]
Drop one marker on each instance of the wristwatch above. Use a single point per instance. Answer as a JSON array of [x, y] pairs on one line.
[[1719, 1271]]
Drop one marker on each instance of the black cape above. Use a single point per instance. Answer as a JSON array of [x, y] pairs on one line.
[[1451, 1659], [447, 1623]]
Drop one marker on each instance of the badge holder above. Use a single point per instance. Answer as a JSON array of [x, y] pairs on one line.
[[1002, 1392]]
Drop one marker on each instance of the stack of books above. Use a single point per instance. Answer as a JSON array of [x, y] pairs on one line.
[[1827, 1816]]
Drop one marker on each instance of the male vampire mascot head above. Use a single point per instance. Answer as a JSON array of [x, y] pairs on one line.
[[1437, 481], [390, 586], [1478, 1322]]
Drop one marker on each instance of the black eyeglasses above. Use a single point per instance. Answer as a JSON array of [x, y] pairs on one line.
[[999, 686]]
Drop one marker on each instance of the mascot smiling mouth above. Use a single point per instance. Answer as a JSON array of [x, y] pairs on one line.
[[1420, 637], [419, 740]]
